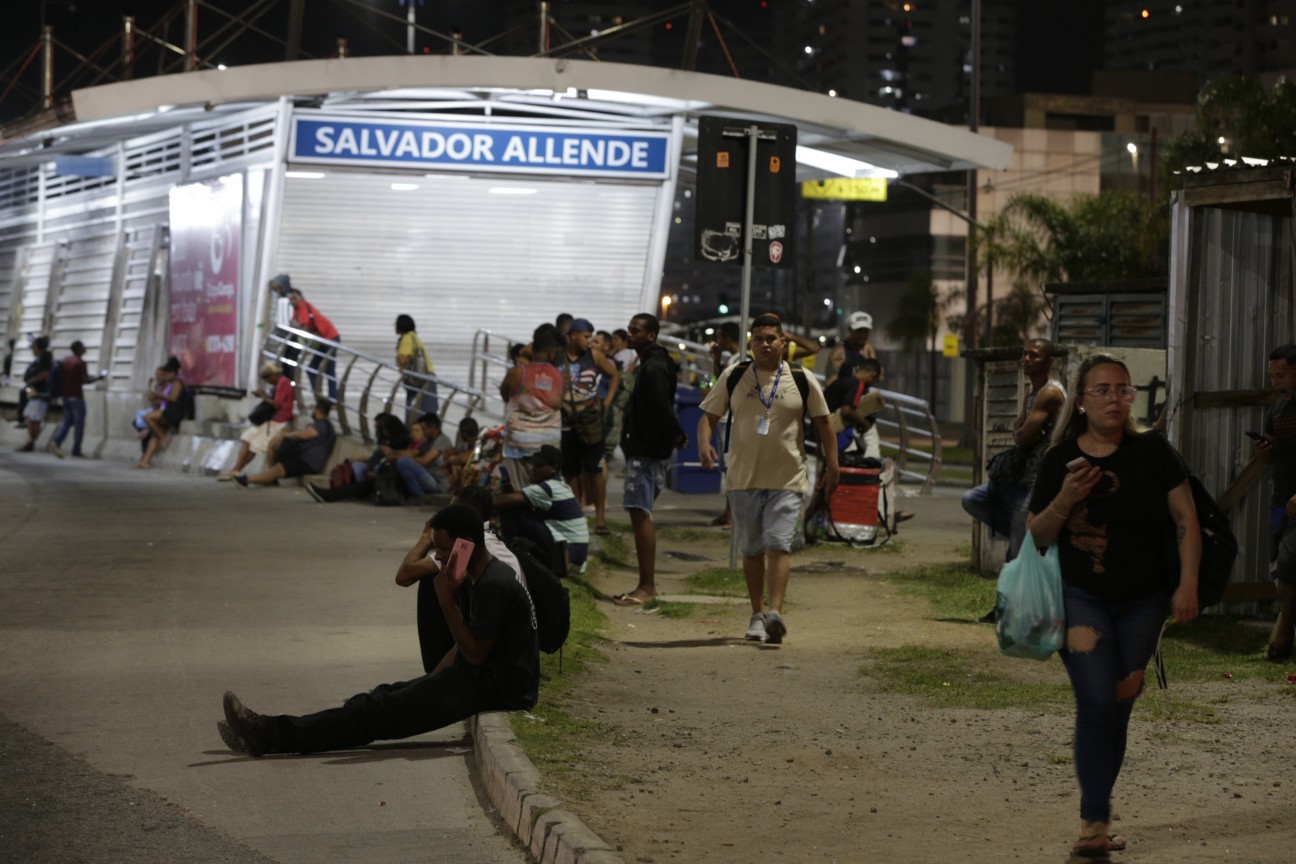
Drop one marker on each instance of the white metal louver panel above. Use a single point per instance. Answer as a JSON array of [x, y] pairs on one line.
[[32, 288], [459, 257], [79, 305], [123, 328], [8, 281]]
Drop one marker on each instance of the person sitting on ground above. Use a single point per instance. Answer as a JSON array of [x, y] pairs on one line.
[[296, 454], [36, 387], [493, 665], [169, 413], [420, 566], [359, 470], [419, 465], [546, 512], [256, 439], [459, 455]]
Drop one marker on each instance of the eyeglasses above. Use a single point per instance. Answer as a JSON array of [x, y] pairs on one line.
[[1107, 392]]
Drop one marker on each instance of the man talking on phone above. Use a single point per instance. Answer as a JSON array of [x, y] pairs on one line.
[[494, 664]]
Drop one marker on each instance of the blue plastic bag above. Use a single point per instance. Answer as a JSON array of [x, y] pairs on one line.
[[1030, 616]]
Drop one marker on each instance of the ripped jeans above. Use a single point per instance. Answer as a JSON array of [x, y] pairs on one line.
[[1108, 645]]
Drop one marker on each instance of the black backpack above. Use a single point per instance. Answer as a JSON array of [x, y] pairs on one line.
[[548, 595], [731, 384], [1219, 545], [54, 380]]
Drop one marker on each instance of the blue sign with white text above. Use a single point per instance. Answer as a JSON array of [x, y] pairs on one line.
[[514, 149]]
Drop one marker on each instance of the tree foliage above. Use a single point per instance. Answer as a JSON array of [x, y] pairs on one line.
[[1254, 122]]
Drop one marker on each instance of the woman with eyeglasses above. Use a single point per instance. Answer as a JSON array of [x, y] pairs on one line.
[[1104, 493]]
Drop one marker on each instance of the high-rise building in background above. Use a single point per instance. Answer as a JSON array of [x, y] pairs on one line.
[[1206, 38]]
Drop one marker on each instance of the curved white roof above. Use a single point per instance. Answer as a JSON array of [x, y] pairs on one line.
[[563, 91]]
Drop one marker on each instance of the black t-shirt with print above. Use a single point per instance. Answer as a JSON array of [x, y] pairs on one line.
[[1280, 422], [1114, 543]]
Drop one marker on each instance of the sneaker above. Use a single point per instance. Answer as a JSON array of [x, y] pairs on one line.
[[232, 739], [54, 448], [775, 629], [241, 480], [253, 729], [756, 629], [316, 493]]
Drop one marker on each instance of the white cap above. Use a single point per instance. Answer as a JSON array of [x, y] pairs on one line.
[[860, 321]]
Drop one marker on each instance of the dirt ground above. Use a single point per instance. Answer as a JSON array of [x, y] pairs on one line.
[[720, 750]]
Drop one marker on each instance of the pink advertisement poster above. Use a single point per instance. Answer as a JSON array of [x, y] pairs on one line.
[[206, 223]]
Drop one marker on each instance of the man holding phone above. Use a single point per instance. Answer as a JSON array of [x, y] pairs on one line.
[[494, 664], [1278, 446]]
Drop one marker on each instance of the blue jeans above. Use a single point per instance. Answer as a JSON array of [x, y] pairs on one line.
[[1105, 683], [74, 416], [1000, 510], [418, 480], [327, 358]]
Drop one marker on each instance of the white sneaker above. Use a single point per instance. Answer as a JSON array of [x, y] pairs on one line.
[[54, 448], [756, 629], [775, 629]]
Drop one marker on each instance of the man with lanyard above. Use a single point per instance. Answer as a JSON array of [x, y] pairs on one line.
[[767, 477], [1278, 446], [307, 317]]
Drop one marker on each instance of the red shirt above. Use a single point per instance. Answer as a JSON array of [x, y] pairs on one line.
[[283, 397], [72, 376], [307, 317]]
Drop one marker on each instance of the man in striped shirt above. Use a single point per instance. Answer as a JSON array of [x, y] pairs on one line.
[[546, 512]]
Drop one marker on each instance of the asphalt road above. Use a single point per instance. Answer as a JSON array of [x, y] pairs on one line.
[[130, 600]]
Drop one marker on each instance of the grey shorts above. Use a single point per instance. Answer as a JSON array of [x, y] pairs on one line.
[[644, 480], [36, 410], [764, 519]]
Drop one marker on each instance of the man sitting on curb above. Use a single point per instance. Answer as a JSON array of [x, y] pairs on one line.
[[299, 453], [546, 512], [494, 664]]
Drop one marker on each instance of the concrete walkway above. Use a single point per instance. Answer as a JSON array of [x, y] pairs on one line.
[[132, 599]]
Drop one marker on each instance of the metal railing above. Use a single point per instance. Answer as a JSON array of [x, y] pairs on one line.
[[335, 371]]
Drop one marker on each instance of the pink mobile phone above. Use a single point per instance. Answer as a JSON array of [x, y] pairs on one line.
[[460, 552], [1077, 463]]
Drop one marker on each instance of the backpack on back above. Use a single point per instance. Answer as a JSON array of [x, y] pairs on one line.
[[731, 384], [548, 595]]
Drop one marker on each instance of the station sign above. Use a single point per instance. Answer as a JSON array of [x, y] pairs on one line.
[[428, 145]]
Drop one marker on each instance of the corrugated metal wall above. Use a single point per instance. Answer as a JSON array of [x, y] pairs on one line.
[[458, 257], [1231, 289]]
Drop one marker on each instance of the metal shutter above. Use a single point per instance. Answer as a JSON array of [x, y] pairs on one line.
[[459, 258]]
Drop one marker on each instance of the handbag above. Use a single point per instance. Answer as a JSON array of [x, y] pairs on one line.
[[1030, 615], [1007, 467], [588, 423], [263, 413], [389, 490]]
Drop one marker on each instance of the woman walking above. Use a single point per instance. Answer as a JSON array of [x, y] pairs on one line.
[[1105, 494]]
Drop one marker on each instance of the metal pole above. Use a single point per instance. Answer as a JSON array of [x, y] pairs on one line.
[[744, 314], [47, 66], [296, 13], [191, 36], [544, 28], [409, 29], [128, 47]]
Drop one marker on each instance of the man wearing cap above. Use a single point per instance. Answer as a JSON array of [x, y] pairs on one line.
[[546, 512], [767, 478], [858, 346], [583, 412]]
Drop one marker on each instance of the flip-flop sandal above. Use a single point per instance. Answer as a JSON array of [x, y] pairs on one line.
[[627, 599], [1097, 846], [602, 530]]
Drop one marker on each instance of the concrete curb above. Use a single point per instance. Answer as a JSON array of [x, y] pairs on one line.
[[554, 835]]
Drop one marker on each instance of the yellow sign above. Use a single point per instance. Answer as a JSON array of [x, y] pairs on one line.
[[951, 345], [846, 189]]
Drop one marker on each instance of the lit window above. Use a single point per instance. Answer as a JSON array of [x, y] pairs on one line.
[[908, 41]]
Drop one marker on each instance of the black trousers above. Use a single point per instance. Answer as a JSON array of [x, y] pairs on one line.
[[390, 711]]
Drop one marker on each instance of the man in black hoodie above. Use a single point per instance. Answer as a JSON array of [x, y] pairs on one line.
[[648, 435]]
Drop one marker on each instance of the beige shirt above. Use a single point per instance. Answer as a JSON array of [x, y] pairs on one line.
[[775, 460]]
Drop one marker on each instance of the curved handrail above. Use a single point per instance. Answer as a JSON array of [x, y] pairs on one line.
[[292, 348]]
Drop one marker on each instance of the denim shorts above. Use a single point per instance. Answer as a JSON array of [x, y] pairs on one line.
[[765, 519], [644, 480]]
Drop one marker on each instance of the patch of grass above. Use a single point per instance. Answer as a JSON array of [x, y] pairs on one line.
[[958, 679], [957, 456], [1210, 647], [688, 534], [614, 551], [673, 610], [717, 582], [954, 591]]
